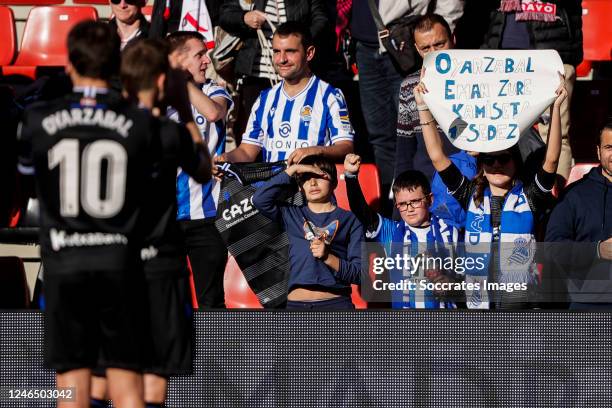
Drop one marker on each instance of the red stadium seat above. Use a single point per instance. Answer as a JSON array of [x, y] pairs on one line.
[[238, 294], [101, 2], [31, 2], [597, 30], [44, 37], [369, 181], [148, 12], [8, 32], [578, 171], [584, 69], [356, 298]]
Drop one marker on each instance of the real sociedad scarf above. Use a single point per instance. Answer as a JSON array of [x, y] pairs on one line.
[[405, 241], [517, 243]]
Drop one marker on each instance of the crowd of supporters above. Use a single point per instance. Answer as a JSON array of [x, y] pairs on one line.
[[275, 81], [129, 153]]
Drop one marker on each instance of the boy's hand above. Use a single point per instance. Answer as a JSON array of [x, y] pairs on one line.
[[305, 168], [352, 162], [300, 153], [319, 249]]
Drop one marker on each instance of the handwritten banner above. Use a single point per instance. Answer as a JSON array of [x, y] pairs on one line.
[[484, 99]]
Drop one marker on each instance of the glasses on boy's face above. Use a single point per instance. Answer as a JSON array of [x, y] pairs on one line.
[[416, 203]]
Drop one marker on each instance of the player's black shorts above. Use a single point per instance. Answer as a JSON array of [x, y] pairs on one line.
[[171, 324], [96, 318]]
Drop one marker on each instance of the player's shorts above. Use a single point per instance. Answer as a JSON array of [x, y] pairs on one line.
[[96, 318], [171, 324]]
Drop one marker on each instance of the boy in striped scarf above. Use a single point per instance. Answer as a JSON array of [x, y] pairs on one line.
[[418, 234]]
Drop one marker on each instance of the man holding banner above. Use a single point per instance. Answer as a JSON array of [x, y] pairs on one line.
[[482, 100]]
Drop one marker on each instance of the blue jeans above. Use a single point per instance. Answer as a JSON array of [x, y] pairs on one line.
[[379, 84]]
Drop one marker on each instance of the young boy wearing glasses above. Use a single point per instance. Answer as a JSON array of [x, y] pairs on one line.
[[418, 234], [324, 240]]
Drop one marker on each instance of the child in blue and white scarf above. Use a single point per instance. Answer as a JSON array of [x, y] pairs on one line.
[[419, 234], [501, 209]]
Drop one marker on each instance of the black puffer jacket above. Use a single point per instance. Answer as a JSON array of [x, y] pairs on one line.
[[564, 35], [231, 19]]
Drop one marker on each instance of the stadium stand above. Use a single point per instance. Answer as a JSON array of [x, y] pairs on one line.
[[8, 47], [44, 37]]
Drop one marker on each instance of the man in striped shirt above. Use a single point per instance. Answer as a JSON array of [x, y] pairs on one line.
[[197, 203], [299, 117]]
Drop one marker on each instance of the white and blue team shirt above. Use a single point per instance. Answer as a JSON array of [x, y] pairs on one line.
[[197, 201], [387, 233], [317, 116]]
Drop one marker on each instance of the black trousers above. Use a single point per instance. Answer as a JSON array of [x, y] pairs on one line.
[[208, 255]]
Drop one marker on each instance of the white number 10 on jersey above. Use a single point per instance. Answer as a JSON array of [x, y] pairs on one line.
[[65, 154]]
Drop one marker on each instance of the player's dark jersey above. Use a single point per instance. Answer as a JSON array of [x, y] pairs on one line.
[[93, 156], [163, 250]]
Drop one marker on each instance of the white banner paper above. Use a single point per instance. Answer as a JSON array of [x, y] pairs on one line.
[[484, 99]]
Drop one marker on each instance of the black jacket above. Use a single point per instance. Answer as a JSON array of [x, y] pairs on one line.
[[581, 220], [310, 12], [564, 35], [145, 26]]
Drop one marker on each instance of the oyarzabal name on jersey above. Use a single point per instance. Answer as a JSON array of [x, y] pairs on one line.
[[61, 239], [88, 117]]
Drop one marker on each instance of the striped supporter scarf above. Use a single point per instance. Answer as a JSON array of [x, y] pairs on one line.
[[405, 241], [517, 243], [530, 10]]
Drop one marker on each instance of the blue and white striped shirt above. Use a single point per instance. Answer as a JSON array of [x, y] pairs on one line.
[[196, 201], [317, 116]]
